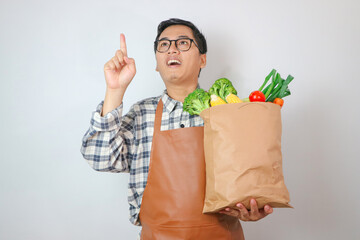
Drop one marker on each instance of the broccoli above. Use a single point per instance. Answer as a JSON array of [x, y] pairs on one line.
[[197, 101], [222, 88]]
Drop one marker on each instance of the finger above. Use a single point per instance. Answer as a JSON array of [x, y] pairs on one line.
[[131, 63], [116, 62], [129, 60], [244, 213], [231, 212], [268, 209], [254, 207], [123, 44], [109, 65], [120, 56]]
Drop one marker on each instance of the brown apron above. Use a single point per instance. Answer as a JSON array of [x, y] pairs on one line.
[[173, 199]]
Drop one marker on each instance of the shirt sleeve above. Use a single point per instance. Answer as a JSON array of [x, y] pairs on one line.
[[107, 144]]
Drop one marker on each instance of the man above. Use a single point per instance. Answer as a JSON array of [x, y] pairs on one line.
[[160, 145]]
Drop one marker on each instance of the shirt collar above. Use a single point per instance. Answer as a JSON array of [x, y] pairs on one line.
[[170, 103]]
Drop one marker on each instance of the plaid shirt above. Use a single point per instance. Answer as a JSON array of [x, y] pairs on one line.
[[116, 143]]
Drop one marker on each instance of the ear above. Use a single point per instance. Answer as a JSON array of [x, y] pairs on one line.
[[202, 60], [157, 65]]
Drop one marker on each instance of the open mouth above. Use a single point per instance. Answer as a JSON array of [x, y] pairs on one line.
[[173, 62]]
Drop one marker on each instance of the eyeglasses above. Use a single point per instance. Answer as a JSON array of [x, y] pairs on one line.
[[182, 44]]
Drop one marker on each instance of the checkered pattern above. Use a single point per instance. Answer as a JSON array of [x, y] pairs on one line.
[[116, 143]]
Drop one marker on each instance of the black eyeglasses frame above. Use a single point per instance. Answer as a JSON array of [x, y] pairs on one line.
[[191, 41]]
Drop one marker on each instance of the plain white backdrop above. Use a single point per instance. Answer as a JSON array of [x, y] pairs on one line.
[[52, 55]]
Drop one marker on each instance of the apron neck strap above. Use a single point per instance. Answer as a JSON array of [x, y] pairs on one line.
[[158, 115]]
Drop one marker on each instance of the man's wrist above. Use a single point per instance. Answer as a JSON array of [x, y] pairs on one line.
[[113, 99]]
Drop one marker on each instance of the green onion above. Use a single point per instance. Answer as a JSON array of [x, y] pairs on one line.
[[274, 81], [285, 86], [271, 74], [275, 93]]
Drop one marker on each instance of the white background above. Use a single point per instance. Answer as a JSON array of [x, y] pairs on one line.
[[52, 55]]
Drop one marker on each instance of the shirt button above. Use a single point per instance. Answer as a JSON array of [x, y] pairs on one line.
[[182, 125]]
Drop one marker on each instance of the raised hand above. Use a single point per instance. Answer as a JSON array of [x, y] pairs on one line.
[[119, 70]]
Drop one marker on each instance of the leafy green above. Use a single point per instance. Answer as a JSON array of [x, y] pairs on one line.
[[284, 87], [222, 87], [271, 74], [275, 92], [277, 88], [197, 101], [274, 82]]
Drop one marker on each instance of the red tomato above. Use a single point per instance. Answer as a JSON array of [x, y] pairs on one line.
[[257, 96]]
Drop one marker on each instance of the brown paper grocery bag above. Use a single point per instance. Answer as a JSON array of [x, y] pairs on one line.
[[242, 144]]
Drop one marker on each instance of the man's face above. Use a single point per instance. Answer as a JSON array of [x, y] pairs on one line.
[[187, 64]]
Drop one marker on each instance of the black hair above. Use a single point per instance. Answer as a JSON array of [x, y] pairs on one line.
[[199, 37]]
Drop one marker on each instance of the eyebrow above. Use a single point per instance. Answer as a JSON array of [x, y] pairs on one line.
[[179, 37]]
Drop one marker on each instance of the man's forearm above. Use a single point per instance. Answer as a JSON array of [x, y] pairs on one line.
[[106, 144], [113, 99], [103, 153]]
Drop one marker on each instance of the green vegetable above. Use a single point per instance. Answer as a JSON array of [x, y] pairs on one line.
[[222, 88], [282, 90], [275, 92], [286, 93], [271, 74], [197, 101], [265, 90], [278, 88], [272, 85], [285, 86]]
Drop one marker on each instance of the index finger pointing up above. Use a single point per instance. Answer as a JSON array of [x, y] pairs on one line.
[[123, 44]]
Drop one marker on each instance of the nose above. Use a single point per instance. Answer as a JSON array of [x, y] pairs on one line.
[[173, 48]]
